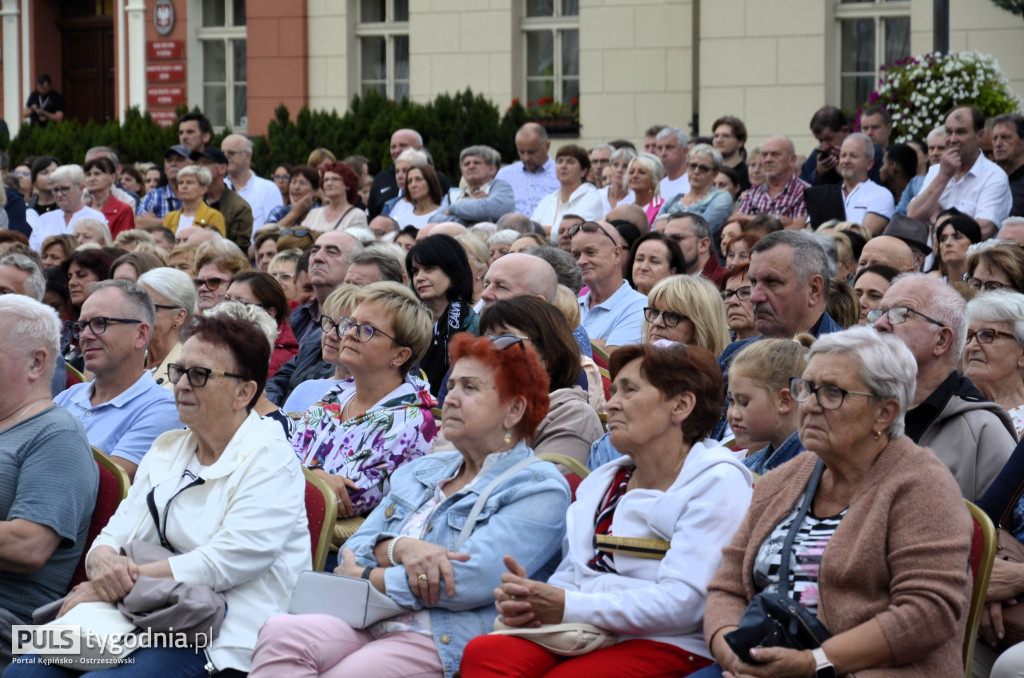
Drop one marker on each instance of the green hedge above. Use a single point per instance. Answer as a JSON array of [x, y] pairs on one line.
[[448, 124]]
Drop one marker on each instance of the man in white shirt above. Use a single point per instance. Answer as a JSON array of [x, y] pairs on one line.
[[261, 194], [612, 312], [867, 203], [484, 198], [533, 177], [671, 148], [964, 178]]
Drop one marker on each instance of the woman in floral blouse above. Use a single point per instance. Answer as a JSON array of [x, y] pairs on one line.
[[379, 418]]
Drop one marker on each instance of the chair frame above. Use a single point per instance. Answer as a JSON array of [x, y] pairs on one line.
[[568, 462], [982, 522], [123, 481], [323, 542]]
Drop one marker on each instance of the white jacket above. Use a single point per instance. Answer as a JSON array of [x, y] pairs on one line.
[[585, 202], [660, 600], [243, 531]]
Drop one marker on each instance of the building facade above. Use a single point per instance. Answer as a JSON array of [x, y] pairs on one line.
[[630, 63]]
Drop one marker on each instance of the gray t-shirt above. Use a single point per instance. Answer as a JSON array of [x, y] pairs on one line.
[[47, 476]]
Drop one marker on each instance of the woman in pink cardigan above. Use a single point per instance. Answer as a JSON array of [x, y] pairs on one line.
[[881, 556]]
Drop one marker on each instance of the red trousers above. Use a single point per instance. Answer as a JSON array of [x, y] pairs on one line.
[[508, 657]]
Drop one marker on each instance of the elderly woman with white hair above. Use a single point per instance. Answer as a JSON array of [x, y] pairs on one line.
[[616, 191], [91, 230], [715, 205], [880, 537], [67, 183], [500, 244], [174, 296], [193, 181], [644, 178], [994, 354]]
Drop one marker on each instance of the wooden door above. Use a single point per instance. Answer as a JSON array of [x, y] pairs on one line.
[[87, 57]]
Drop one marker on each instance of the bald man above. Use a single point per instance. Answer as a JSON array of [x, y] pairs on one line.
[[634, 214], [533, 177], [517, 275], [782, 193], [385, 185], [263, 195], [444, 228], [888, 251]]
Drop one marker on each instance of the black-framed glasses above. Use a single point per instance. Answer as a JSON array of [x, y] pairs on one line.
[[60, 190], [97, 325], [828, 397], [197, 376], [297, 232], [741, 293], [697, 167], [211, 283], [166, 307], [987, 335], [505, 341], [668, 317], [897, 315], [977, 284], [364, 331], [591, 227]]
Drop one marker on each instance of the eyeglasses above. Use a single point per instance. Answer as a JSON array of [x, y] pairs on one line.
[[22, 175], [211, 283], [282, 276], [591, 227], [897, 315], [197, 376], [60, 190], [828, 397], [297, 232], [979, 284], [987, 335], [741, 293], [504, 341], [364, 331], [282, 177], [97, 325], [668, 317], [696, 167], [166, 307]]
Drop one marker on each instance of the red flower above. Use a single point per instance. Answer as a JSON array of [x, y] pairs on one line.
[[574, 101], [515, 101], [529, 103], [544, 101]]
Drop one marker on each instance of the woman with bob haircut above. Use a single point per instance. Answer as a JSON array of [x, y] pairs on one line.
[[57, 249], [423, 192], [100, 177], [995, 264], [237, 521], [133, 264], [994, 354], [652, 258], [686, 309], [193, 181], [880, 559], [368, 425], [571, 424], [66, 185], [644, 179], [739, 311], [302, 197], [497, 396], [575, 196], [440, 275], [174, 297], [340, 186], [644, 535], [263, 290]]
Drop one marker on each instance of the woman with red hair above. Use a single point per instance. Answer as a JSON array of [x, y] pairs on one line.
[[416, 546], [340, 186]]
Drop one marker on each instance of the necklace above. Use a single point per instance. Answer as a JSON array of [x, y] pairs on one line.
[[18, 417]]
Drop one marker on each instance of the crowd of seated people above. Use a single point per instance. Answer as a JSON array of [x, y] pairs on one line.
[[661, 355]]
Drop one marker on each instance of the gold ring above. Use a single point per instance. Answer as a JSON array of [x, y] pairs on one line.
[[422, 577]]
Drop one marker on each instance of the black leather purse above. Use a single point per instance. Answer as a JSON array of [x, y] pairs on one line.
[[775, 619]]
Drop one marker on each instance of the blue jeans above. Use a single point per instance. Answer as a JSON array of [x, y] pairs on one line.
[[149, 662], [713, 671]]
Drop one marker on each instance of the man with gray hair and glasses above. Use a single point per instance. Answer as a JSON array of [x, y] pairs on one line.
[[972, 436], [484, 198], [123, 409]]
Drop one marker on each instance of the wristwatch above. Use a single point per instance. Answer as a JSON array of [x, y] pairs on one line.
[[824, 668]]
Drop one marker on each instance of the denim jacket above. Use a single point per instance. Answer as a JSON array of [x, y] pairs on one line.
[[523, 517], [767, 458]]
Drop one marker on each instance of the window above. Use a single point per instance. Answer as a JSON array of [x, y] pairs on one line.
[[383, 39], [872, 34], [551, 37], [222, 45]]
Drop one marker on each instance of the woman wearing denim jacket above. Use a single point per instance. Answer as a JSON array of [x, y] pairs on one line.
[[409, 546]]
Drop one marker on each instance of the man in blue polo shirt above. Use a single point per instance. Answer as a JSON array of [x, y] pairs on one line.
[[123, 409]]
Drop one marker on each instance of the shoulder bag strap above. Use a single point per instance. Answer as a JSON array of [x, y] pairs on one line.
[[1007, 518], [478, 506], [805, 506], [342, 217]]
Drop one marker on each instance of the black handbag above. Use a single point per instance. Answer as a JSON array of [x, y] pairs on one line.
[[775, 619]]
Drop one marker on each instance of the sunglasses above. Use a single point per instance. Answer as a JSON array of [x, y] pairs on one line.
[[211, 283], [297, 232], [505, 341], [591, 227]]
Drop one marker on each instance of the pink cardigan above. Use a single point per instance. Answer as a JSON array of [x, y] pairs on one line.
[[900, 555]]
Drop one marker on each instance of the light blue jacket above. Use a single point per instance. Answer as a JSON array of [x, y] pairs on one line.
[[523, 517]]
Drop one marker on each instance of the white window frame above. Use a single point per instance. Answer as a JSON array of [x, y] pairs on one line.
[[227, 33], [389, 30], [554, 24], [878, 11]]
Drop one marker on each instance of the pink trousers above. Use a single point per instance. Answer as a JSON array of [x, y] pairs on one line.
[[294, 646]]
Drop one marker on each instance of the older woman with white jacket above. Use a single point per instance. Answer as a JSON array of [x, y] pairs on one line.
[[572, 163]]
